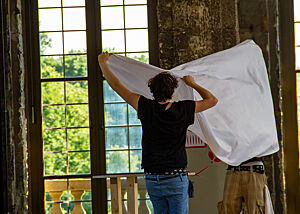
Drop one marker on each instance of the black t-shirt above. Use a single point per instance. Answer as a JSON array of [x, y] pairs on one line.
[[164, 134]]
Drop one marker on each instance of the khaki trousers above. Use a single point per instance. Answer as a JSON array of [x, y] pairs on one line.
[[243, 187]]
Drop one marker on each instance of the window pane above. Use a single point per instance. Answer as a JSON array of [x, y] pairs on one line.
[[110, 95], [74, 18], [76, 65], [116, 138], [55, 163], [135, 137], [52, 187], [49, 89], [136, 40], [87, 195], [78, 139], [77, 115], [142, 57], [108, 207], [54, 140], [110, 2], [113, 41], [81, 206], [49, 3], [112, 18], [87, 206], [51, 66], [49, 207], [115, 114], [133, 119], [297, 10], [135, 161], [135, 1], [297, 33], [64, 206], [68, 3], [75, 42], [150, 206], [298, 58], [77, 92], [117, 162], [51, 43], [53, 116], [50, 19], [136, 17], [79, 163]]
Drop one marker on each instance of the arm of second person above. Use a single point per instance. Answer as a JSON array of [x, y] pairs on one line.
[[209, 100]]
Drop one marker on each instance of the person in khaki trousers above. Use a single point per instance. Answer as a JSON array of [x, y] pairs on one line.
[[244, 185]]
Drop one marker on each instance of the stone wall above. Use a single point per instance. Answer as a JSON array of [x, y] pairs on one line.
[[188, 30], [15, 97]]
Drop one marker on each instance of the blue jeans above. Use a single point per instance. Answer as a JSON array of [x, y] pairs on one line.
[[168, 196]]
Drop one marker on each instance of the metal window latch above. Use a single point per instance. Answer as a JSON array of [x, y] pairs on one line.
[[32, 115]]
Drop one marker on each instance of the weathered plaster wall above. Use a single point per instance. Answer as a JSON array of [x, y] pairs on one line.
[[191, 29], [15, 95]]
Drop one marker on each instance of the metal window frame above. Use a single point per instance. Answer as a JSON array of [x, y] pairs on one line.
[[289, 105]]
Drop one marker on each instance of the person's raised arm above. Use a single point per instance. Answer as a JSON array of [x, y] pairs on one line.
[[115, 84], [209, 100]]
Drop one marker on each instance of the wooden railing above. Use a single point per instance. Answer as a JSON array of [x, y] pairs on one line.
[[132, 184], [56, 189]]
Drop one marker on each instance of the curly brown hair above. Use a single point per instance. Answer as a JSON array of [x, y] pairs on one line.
[[162, 86]]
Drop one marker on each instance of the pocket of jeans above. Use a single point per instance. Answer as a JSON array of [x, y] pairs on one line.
[[260, 207], [220, 207]]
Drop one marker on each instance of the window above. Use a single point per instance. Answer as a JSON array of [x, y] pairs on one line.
[[128, 36], [122, 128], [65, 106], [73, 101], [297, 54]]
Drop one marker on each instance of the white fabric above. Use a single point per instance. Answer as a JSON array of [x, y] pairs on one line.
[[242, 125], [268, 202], [260, 163]]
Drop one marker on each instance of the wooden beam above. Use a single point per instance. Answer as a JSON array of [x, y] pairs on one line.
[[132, 192], [289, 105], [116, 196]]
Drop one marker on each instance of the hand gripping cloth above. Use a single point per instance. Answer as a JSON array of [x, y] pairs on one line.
[[242, 125]]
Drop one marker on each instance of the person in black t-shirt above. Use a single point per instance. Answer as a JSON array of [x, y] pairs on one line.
[[164, 125]]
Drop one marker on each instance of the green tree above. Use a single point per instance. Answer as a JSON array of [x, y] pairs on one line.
[[45, 42]]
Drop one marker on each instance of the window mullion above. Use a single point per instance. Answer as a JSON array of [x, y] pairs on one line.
[[96, 107]]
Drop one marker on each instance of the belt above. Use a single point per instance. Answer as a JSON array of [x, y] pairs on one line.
[[255, 168], [165, 178]]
